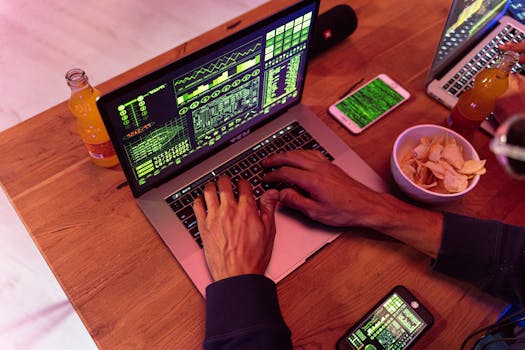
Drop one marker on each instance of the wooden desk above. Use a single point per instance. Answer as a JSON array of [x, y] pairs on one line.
[[130, 291]]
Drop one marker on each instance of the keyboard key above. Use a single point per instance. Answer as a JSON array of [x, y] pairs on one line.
[[279, 143], [235, 180], [257, 192], [306, 137], [262, 154], [196, 193], [235, 170], [176, 206], [190, 222], [298, 142], [186, 200], [256, 169], [298, 131], [255, 181], [271, 148], [194, 231], [185, 213], [311, 145], [244, 164]]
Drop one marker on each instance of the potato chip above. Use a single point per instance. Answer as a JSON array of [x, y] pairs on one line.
[[434, 153], [472, 166], [453, 153], [481, 171], [455, 182], [438, 164], [421, 151], [437, 169]]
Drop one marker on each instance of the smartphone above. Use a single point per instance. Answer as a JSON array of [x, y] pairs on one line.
[[363, 107], [395, 322]]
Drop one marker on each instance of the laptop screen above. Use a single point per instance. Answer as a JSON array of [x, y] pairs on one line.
[[171, 118], [467, 21]]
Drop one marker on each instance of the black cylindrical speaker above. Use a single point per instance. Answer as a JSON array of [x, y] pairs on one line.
[[332, 27]]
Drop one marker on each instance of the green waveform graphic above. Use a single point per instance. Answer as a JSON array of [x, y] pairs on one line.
[[220, 64], [224, 77]]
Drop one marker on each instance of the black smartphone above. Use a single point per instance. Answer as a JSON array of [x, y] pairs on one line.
[[395, 322]]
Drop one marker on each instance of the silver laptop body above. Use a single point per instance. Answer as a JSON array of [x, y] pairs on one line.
[[178, 124], [469, 43]]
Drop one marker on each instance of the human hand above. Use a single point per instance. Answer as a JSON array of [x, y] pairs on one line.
[[516, 47], [334, 197], [338, 200], [237, 236], [513, 100]]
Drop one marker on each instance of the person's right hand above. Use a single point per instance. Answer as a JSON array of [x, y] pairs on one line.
[[516, 47], [334, 197]]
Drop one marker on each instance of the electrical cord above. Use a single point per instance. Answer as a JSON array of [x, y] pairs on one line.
[[504, 322], [494, 341]]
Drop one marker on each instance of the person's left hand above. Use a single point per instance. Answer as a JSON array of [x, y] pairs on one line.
[[237, 236]]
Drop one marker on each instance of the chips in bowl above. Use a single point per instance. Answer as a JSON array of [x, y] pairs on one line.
[[434, 164], [438, 164]]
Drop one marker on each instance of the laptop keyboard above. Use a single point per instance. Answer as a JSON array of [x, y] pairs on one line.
[[247, 166], [487, 57]]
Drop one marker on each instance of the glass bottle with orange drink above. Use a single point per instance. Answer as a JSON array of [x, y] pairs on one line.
[[89, 122], [475, 104]]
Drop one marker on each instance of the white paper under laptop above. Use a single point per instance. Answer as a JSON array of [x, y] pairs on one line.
[[189, 119], [469, 42]]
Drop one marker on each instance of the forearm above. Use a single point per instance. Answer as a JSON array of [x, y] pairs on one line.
[[487, 253], [417, 227]]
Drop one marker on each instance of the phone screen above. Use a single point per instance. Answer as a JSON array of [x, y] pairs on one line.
[[394, 324], [370, 102]]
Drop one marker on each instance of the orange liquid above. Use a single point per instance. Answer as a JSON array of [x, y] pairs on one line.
[[476, 104], [91, 128]]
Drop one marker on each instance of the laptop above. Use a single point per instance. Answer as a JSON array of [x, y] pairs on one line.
[[219, 111], [468, 44]]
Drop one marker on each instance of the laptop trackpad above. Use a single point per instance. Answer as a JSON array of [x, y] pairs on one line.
[[297, 238]]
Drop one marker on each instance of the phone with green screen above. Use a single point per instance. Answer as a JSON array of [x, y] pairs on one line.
[[396, 322], [365, 106]]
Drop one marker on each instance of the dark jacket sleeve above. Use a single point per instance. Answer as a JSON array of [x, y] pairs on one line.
[[243, 313], [486, 253]]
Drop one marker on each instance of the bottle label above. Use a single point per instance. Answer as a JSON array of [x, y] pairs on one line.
[[100, 150]]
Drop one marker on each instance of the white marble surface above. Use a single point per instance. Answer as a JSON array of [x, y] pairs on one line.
[[34, 311], [39, 41]]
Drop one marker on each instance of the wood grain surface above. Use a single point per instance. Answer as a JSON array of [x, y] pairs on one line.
[[130, 291]]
